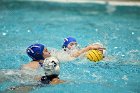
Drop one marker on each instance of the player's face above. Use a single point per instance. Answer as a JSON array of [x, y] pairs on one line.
[[46, 53], [72, 45]]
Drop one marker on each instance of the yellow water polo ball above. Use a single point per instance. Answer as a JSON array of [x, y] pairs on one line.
[[94, 55]]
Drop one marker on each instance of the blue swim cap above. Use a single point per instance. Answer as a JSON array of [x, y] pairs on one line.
[[67, 41], [35, 51]]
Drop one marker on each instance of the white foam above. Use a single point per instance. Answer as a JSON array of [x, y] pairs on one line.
[[21, 76], [61, 55], [124, 77]]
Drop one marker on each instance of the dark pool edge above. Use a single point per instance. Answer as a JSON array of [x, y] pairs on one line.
[[43, 5], [110, 2]]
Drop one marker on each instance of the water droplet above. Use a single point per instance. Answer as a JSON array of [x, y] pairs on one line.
[[123, 55], [115, 47], [124, 77], [133, 33], [94, 75], [28, 30], [4, 34], [96, 29]]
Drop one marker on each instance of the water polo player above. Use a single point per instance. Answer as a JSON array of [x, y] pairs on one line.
[[39, 53], [70, 44], [41, 58], [51, 67]]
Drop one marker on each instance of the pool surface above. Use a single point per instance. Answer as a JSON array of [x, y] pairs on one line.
[[116, 27]]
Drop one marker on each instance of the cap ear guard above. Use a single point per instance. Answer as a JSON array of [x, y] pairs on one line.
[[65, 41], [64, 47]]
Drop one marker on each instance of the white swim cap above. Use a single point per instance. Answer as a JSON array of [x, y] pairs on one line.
[[51, 66]]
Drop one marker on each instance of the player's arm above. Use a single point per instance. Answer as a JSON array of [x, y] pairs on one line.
[[90, 47]]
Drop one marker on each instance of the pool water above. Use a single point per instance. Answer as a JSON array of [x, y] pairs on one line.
[[116, 27]]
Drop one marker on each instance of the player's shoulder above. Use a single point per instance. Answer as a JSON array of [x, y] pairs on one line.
[[31, 65]]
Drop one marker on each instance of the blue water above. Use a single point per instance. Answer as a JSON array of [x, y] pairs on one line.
[[117, 28]]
